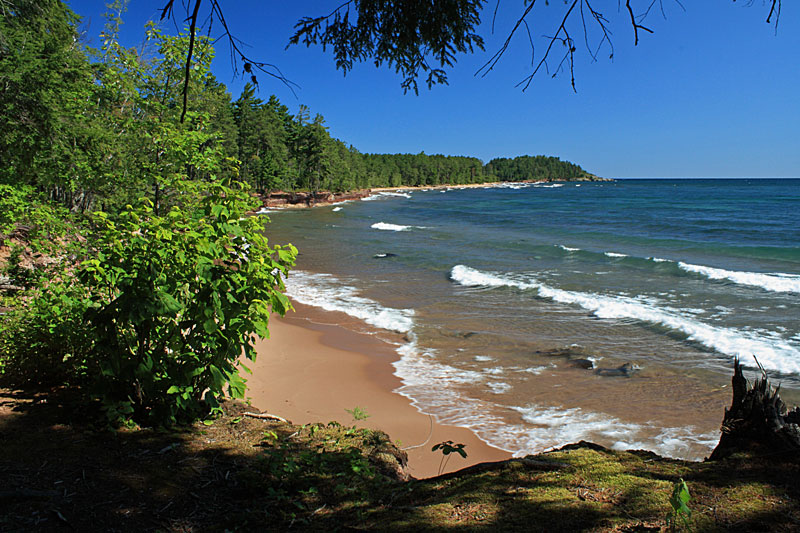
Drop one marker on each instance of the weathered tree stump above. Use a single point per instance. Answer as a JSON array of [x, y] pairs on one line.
[[758, 422]]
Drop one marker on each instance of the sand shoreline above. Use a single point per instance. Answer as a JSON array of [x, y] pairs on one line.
[[312, 369]]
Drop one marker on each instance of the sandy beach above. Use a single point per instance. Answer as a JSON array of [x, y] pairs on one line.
[[312, 369]]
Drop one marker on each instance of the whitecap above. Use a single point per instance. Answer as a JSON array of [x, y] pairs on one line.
[[435, 387], [774, 282], [774, 352], [335, 209], [568, 249], [614, 254], [384, 195], [385, 226]]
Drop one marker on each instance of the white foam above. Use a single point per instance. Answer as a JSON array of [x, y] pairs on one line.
[[483, 358], [435, 387], [672, 442], [384, 195], [385, 226], [555, 426], [615, 254], [535, 370], [774, 353], [550, 186], [775, 282], [568, 249], [265, 211], [335, 209], [498, 387], [328, 292], [659, 260]]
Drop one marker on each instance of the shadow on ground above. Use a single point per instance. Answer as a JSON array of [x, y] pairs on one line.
[[61, 471]]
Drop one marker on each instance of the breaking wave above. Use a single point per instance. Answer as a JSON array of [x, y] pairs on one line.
[[773, 352]]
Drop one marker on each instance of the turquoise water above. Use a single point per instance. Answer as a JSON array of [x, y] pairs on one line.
[[499, 291]]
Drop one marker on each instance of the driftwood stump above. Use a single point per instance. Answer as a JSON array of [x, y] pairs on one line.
[[757, 421]]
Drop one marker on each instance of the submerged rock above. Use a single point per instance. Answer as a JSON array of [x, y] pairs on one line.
[[586, 364], [626, 370]]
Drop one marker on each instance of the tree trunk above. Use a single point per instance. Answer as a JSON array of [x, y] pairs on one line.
[[757, 421]]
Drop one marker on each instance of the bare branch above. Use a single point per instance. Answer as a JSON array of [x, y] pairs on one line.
[[192, 27], [566, 41], [489, 65], [636, 26]]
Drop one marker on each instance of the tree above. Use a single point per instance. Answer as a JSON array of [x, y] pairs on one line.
[[45, 88]]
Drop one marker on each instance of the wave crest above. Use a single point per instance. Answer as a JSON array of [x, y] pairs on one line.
[[773, 353]]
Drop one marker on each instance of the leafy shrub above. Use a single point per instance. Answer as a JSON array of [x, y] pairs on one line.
[[44, 338], [44, 223], [13, 204], [155, 318], [177, 299]]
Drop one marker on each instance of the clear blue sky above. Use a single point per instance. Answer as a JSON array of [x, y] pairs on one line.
[[712, 93]]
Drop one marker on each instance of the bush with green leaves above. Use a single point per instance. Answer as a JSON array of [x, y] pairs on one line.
[[42, 223], [45, 340], [177, 299]]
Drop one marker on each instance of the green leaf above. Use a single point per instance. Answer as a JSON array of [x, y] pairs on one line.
[[219, 379], [210, 325]]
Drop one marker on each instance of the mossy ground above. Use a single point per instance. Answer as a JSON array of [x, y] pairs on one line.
[[61, 472]]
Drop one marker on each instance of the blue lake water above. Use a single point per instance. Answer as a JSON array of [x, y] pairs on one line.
[[495, 295]]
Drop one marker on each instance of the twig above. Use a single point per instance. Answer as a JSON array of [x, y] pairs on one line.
[[636, 26], [267, 416], [566, 40], [430, 434]]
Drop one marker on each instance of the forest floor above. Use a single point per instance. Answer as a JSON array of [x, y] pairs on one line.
[[63, 470]]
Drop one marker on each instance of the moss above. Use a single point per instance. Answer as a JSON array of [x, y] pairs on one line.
[[251, 474]]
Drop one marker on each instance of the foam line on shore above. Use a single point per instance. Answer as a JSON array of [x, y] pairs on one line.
[[327, 292]]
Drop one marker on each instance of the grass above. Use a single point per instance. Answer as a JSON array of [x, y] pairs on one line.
[[241, 473]]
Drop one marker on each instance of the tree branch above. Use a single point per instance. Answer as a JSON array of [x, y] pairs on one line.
[[567, 41], [636, 26], [189, 53]]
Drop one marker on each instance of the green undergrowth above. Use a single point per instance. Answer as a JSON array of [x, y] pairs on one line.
[[251, 474]]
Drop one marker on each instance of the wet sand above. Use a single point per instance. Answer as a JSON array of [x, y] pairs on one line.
[[312, 369]]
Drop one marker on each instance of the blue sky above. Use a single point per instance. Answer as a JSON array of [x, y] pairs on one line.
[[712, 93]]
